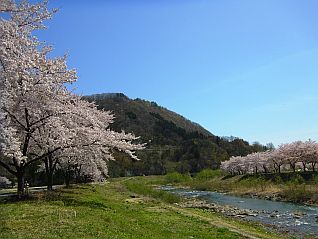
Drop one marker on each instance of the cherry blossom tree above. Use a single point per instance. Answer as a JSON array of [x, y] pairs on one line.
[[40, 119], [234, 165], [311, 154], [93, 165], [27, 83], [291, 154], [254, 162], [308, 154], [265, 161]]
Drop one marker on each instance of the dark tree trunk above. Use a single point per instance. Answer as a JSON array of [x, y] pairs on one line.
[[49, 169], [50, 181], [276, 168], [67, 176], [67, 181], [293, 166], [313, 166], [265, 169], [77, 171], [304, 166], [20, 178]]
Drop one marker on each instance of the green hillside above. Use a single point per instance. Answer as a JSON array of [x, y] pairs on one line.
[[174, 143], [130, 114]]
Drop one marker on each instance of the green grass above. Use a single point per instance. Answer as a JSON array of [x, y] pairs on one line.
[[123, 208], [143, 187], [176, 177], [206, 174], [101, 211]]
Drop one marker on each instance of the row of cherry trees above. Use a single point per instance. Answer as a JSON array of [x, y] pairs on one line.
[[285, 157], [40, 119]]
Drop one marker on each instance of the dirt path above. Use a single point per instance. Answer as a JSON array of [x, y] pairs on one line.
[[220, 223]]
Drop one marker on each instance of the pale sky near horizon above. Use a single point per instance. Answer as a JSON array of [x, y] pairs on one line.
[[237, 67]]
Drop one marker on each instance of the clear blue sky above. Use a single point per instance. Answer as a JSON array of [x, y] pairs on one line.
[[238, 67]]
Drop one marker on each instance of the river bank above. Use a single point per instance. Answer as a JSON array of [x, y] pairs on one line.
[[297, 220], [287, 187], [289, 219]]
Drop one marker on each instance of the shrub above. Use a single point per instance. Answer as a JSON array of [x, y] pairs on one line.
[[296, 179], [208, 174], [176, 177], [278, 179], [261, 183], [297, 193], [314, 179]]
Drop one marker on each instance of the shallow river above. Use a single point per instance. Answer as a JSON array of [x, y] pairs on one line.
[[298, 219]]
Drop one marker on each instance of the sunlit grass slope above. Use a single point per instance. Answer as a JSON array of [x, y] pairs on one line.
[[124, 208]]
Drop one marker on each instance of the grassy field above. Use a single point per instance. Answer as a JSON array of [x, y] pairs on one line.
[[122, 208]]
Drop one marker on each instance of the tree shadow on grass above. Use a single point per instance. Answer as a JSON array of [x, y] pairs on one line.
[[93, 204], [62, 197]]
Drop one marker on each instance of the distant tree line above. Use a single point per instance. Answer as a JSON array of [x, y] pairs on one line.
[[293, 156]]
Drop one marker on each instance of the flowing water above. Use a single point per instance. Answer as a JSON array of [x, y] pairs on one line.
[[297, 219]]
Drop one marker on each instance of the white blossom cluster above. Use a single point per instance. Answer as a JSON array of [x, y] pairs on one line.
[[40, 118], [286, 157]]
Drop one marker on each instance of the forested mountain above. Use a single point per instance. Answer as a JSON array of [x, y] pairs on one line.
[[173, 142], [131, 114]]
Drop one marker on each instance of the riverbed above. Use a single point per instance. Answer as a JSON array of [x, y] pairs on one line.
[[296, 219]]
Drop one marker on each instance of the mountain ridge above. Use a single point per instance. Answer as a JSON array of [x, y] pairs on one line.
[[171, 116], [174, 143]]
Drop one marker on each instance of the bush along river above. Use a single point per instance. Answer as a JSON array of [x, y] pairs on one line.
[[296, 219]]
